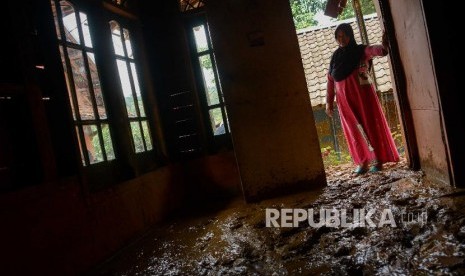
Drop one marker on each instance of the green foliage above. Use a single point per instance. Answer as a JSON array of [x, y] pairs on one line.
[[367, 7], [138, 136], [206, 63], [397, 136], [130, 106], [211, 90], [304, 12], [108, 145], [332, 157]]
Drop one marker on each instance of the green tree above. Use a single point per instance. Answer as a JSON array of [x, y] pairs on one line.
[[367, 7], [304, 12]]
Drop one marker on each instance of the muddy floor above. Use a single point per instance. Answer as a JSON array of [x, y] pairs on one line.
[[418, 229]]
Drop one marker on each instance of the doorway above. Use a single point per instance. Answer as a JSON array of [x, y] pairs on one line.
[[315, 33]]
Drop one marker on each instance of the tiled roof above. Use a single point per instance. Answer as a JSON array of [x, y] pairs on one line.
[[318, 43]]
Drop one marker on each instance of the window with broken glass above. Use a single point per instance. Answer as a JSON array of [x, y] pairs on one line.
[[106, 90], [83, 83]]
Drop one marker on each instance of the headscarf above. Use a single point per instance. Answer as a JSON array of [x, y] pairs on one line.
[[345, 59]]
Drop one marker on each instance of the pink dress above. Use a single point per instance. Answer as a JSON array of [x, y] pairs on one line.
[[365, 127]]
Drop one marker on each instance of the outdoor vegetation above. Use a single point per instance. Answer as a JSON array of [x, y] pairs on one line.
[[307, 13], [332, 157]]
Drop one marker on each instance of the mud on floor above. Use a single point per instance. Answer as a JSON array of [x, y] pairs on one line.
[[236, 241]]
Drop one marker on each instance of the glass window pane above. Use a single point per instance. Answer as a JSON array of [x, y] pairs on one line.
[[130, 87], [81, 84], [127, 41], [94, 149], [209, 79], [68, 85], [216, 119], [85, 30], [108, 144], [126, 87], [148, 141], [200, 38], [80, 147], [137, 137], [69, 22], [136, 86], [96, 85], [116, 37]]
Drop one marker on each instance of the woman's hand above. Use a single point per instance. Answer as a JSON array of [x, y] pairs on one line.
[[329, 110]]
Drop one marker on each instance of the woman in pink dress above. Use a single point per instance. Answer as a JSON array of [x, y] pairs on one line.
[[365, 128]]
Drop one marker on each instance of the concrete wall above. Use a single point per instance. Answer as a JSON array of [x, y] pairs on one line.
[[273, 130], [422, 93]]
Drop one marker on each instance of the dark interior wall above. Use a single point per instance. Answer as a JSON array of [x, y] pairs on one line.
[[59, 226], [444, 23], [58, 230], [32, 133], [421, 87], [167, 49]]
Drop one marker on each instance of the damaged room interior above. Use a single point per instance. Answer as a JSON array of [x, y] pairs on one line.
[[189, 137]]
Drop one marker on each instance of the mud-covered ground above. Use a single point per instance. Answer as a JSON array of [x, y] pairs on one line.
[[424, 236]]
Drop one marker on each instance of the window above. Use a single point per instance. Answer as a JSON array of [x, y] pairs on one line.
[[83, 83], [210, 82], [187, 5], [130, 87]]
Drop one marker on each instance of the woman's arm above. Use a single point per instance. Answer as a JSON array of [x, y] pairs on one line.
[[378, 50]]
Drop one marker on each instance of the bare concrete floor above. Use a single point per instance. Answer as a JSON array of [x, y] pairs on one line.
[[428, 237]]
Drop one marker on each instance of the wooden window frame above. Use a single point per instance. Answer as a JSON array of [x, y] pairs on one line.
[[134, 81], [218, 141], [79, 122], [127, 164]]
